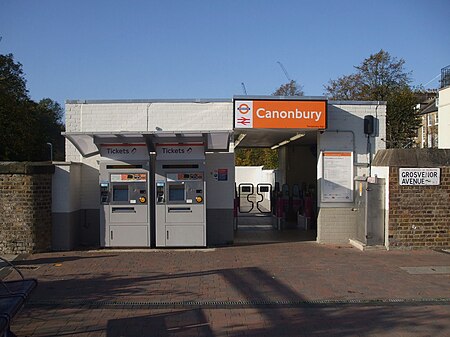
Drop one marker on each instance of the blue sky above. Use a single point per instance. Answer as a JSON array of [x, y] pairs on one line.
[[106, 49]]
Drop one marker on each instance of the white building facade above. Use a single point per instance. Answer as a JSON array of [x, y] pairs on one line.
[[444, 118], [326, 158]]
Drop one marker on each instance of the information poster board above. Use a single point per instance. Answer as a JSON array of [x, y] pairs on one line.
[[337, 179]]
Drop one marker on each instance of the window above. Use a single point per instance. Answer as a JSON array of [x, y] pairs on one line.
[[430, 120], [436, 119], [423, 136]]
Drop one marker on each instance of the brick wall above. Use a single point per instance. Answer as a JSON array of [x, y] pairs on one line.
[[419, 216], [25, 207]]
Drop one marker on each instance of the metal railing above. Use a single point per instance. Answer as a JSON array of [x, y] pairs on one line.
[[445, 77]]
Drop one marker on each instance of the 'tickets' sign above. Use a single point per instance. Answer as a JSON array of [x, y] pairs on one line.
[[180, 151], [124, 151], [280, 114]]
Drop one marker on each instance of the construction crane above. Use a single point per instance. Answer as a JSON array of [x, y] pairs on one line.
[[284, 71], [243, 88]]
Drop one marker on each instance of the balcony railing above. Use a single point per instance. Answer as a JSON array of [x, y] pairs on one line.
[[445, 77]]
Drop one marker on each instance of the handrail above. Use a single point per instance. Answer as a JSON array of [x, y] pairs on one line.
[[13, 267]]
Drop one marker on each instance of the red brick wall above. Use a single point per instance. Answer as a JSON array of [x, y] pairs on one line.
[[419, 216]]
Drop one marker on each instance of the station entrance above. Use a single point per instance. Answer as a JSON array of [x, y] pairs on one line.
[[277, 205]]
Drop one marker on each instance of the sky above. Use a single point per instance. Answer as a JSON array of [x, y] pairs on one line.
[[146, 49]]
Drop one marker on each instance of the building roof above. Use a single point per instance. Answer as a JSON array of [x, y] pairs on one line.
[[412, 157], [429, 108], [220, 100]]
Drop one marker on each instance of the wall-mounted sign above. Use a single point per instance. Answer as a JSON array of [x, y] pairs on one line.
[[180, 151], [419, 176], [337, 179], [220, 174], [124, 151], [280, 114]]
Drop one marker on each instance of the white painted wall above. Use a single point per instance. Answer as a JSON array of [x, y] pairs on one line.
[[66, 184], [345, 133], [254, 175], [444, 118], [170, 116], [219, 194], [336, 222], [164, 116], [89, 191]]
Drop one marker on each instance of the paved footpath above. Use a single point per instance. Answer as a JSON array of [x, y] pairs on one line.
[[284, 289]]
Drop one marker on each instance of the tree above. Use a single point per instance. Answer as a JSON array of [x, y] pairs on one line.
[[292, 88], [50, 115], [257, 157], [13, 100], [345, 88], [26, 126], [382, 77], [403, 121]]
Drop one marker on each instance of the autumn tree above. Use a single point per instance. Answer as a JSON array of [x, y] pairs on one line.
[[382, 77], [291, 88], [257, 157]]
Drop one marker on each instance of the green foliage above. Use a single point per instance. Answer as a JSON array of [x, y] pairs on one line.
[[12, 82], [382, 77], [26, 126], [404, 120], [257, 157]]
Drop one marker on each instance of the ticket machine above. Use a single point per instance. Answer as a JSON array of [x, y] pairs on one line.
[[124, 204], [180, 204]]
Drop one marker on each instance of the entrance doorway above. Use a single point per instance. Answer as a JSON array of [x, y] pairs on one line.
[[281, 207]]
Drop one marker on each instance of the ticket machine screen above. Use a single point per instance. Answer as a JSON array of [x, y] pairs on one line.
[[120, 193], [177, 192]]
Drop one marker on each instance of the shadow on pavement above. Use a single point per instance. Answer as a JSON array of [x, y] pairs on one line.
[[251, 284], [182, 323]]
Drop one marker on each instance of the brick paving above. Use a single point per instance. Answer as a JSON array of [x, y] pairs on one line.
[[147, 293]]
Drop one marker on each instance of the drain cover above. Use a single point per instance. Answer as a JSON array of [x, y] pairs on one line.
[[23, 267]]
